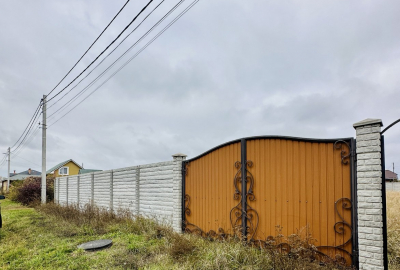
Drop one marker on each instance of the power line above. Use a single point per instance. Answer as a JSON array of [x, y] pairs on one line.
[[35, 113], [3, 160], [28, 161], [104, 57], [118, 59], [26, 134], [28, 141], [134, 19], [90, 46], [134, 56]]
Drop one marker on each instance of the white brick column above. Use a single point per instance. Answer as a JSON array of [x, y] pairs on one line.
[[177, 192], [369, 194]]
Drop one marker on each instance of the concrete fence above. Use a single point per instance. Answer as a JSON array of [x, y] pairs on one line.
[[155, 190], [152, 190]]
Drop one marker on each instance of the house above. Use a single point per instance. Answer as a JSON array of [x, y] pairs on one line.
[[390, 176], [68, 167], [19, 177]]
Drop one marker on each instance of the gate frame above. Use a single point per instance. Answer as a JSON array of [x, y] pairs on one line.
[[350, 142], [384, 217]]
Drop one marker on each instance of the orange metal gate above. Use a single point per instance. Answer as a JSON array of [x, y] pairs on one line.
[[260, 187]]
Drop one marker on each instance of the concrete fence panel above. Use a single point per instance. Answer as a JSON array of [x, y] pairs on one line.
[[102, 192], [72, 189], [124, 189], [85, 189]]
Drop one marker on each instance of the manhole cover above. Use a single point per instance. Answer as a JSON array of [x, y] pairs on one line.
[[96, 245]]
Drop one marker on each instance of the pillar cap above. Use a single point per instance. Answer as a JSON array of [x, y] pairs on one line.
[[368, 122], [179, 155]]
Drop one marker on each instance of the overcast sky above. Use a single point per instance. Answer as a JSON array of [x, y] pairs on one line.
[[227, 69]]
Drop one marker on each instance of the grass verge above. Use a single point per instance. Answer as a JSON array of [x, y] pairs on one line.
[[47, 238]]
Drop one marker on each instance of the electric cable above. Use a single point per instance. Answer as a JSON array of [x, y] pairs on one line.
[[90, 46], [26, 134], [35, 113], [134, 56], [106, 56], [118, 59], [28, 141], [27, 160], [134, 19]]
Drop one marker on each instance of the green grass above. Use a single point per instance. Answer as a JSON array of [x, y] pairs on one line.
[[47, 238]]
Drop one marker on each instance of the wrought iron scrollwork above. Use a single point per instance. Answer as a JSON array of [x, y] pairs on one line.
[[341, 227], [237, 213], [251, 214], [344, 154], [193, 229], [186, 168], [336, 254]]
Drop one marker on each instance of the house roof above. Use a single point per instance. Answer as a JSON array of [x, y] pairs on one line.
[[390, 175], [21, 176], [62, 164], [33, 172], [82, 171]]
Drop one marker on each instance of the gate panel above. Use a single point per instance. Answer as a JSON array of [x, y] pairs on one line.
[[261, 187], [300, 185], [209, 190]]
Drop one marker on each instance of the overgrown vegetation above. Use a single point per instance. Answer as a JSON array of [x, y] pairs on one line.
[[28, 192], [393, 225], [47, 238]]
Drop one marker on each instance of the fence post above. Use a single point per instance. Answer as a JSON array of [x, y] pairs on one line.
[[58, 190], [111, 190], [67, 188], [77, 190], [137, 190], [177, 191], [92, 190], [370, 195]]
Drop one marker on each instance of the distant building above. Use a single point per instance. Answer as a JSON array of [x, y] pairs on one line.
[[390, 176], [19, 177], [65, 168]]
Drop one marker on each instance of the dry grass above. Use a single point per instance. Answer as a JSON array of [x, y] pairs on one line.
[[48, 237], [159, 247], [393, 228]]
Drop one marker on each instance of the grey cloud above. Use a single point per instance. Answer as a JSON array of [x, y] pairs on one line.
[[226, 70]]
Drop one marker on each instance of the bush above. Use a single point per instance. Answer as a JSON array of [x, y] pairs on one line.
[[13, 192], [30, 191]]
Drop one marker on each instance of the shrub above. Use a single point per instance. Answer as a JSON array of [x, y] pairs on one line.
[[13, 192], [30, 191]]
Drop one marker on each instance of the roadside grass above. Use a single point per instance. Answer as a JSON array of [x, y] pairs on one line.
[[46, 237], [393, 228]]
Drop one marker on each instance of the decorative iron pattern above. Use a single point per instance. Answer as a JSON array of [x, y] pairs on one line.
[[336, 254], [339, 145], [341, 227], [238, 213], [191, 228], [186, 168]]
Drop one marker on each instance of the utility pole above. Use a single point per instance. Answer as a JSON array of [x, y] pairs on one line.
[[8, 176], [44, 127]]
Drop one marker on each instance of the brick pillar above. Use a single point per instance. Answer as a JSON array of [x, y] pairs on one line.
[[370, 194], [177, 192]]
